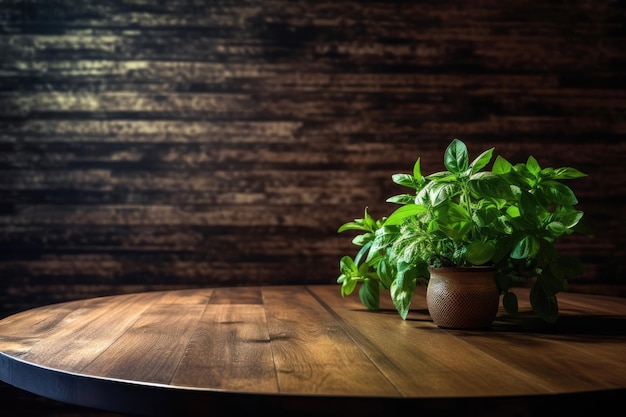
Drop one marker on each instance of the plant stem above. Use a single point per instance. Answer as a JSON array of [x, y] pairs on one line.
[[468, 206]]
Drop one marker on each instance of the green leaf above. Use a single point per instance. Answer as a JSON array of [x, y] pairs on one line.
[[503, 248], [452, 212], [556, 229], [385, 236], [552, 280], [487, 217], [513, 211], [488, 184], [401, 199], [456, 158], [482, 160], [442, 176], [556, 192], [417, 171], [440, 193], [569, 217], [352, 226], [522, 177], [360, 240], [546, 256], [545, 305], [363, 271], [401, 213], [453, 219], [533, 166], [364, 250], [526, 247], [349, 275], [406, 180], [403, 287], [509, 301], [501, 166], [479, 252], [347, 265], [369, 294], [348, 285], [528, 206], [367, 223], [567, 173], [386, 273]]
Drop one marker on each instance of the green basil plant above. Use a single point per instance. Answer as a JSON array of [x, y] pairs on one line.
[[508, 217]]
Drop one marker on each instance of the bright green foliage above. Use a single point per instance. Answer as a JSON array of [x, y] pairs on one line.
[[508, 217]]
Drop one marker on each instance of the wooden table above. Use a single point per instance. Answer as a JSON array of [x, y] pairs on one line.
[[303, 350]]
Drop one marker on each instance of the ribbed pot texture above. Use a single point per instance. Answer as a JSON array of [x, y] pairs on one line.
[[463, 298]]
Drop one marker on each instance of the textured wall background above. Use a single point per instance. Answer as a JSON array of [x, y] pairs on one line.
[[152, 144], [155, 144]]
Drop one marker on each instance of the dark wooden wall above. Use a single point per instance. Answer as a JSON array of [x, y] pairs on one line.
[[153, 144]]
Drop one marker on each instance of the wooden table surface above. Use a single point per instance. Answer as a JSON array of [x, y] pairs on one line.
[[305, 350]]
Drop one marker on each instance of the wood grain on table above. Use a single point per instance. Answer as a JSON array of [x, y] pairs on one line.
[[275, 344]]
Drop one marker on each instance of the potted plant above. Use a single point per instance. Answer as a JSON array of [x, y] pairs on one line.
[[506, 220]]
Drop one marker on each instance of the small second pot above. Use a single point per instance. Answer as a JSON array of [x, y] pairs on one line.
[[463, 298]]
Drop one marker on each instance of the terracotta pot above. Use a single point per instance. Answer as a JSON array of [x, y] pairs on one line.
[[463, 298]]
